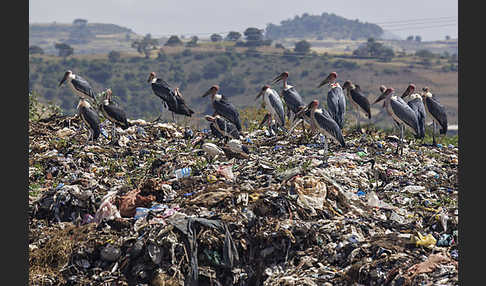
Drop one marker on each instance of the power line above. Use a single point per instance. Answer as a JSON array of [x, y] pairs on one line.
[[414, 20], [425, 27], [419, 23]]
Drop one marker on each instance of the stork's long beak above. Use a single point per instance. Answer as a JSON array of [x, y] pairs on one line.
[[278, 78], [259, 94], [380, 98], [325, 81], [63, 79], [303, 110], [406, 93], [207, 93], [265, 119], [150, 78]]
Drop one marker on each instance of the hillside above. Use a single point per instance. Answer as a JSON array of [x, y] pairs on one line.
[[239, 72], [90, 38], [323, 26]]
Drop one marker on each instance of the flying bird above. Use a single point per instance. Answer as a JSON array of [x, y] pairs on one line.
[[336, 102], [223, 107]]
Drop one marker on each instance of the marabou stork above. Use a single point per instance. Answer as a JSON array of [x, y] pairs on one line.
[[79, 85], [357, 99], [273, 104], [223, 107], [90, 119], [417, 105], [292, 98], [436, 111], [223, 126], [336, 102], [272, 126], [400, 112], [324, 123], [172, 98], [113, 113]]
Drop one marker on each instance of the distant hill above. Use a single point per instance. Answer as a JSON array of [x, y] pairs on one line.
[[322, 27], [82, 36]]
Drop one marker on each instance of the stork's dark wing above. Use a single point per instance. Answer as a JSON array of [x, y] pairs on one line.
[[337, 105], [418, 106], [326, 122], [118, 114], [162, 89], [93, 120], [278, 106], [181, 107], [292, 99], [228, 127], [215, 131], [82, 85], [228, 111], [405, 113], [361, 100], [438, 111]]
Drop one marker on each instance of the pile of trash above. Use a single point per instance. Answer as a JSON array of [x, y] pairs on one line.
[[151, 206]]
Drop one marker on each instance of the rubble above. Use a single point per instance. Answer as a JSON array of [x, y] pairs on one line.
[[278, 214]]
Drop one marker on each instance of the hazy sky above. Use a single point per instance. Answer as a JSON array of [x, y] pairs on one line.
[[431, 19]]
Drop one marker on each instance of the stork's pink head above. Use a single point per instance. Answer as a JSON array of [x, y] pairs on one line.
[[329, 79], [262, 91], [211, 90], [151, 77], [281, 76], [410, 89]]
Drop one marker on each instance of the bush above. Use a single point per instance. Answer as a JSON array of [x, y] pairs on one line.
[[342, 64], [233, 85], [302, 47], [114, 56]]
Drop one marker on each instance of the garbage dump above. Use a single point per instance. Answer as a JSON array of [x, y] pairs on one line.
[[149, 208]]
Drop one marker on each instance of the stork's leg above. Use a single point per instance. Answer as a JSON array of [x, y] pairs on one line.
[[158, 118], [433, 134], [173, 118], [293, 125], [326, 149], [401, 139]]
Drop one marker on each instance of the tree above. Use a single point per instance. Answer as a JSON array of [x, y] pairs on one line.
[[233, 36], [279, 46], [410, 38], [254, 36], [64, 50], [173, 41], [114, 56], [448, 38], [216, 38], [192, 42], [80, 22], [425, 54], [145, 45], [36, 50], [418, 39], [302, 47]]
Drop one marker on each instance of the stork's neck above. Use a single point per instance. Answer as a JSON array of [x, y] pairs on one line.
[[216, 97], [106, 101], [83, 103], [154, 80], [333, 84], [285, 85]]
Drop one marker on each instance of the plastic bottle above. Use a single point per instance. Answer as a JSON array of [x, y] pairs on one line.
[[182, 173]]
